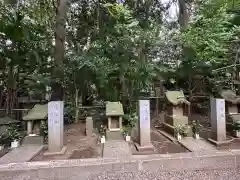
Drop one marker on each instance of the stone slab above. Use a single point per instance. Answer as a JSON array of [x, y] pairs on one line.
[[21, 154], [116, 149], [196, 144]]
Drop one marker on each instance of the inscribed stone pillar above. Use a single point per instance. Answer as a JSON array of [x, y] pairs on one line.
[[89, 126], [144, 125], [55, 126], [218, 119]]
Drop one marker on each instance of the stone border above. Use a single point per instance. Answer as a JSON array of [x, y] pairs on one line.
[[204, 160]]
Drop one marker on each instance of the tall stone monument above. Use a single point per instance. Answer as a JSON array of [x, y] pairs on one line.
[[55, 128], [218, 121], [144, 129]]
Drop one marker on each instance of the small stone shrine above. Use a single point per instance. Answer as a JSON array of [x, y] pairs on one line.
[[114, 112], [231, 104], [37, 114], [176, 110], [34, 117]]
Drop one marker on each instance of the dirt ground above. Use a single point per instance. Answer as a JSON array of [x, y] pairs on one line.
[[77, 143], [162, 145]]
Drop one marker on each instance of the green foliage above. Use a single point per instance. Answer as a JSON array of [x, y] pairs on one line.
[[130, 120], [3, 138], [236, 126], [196, 126], [13, 132]]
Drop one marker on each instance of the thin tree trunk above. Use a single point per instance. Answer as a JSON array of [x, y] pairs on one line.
[[60, 34], [76, 104]]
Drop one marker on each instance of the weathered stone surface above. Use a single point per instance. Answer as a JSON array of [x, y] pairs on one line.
[[89, 126], [55, 126], [218, 119], [21, 154], [144, 124]]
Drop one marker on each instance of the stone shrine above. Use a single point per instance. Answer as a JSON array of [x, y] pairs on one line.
[[114, 112], [176, 110]]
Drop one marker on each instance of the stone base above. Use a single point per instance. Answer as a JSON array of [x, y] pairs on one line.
[[62, 152], [39, 140], [148, 148], [220, 144]]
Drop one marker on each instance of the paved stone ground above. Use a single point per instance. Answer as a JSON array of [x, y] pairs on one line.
[[116, 149], [64, 174], [196, 144], [21, 154]]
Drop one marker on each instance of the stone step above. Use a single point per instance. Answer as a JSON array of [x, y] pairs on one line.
[[196, 144], [21, 154]]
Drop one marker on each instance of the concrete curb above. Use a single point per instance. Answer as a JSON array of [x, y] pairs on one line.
[[157, 162]]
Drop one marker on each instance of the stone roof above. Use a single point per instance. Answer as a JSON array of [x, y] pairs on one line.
[[38, 112], [114, 109], [176, 97], [230, 96], [8, 120]]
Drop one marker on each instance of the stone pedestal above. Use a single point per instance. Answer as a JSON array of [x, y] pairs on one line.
[[89, 126], [218, 121], [55, 128], [144, 128]]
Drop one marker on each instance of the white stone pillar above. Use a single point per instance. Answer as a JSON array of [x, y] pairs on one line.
[[144, 126], [55, 126], [218, 120]]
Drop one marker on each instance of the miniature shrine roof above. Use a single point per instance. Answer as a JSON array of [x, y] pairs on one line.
[[114, 109], [38, 112], [7, 120], [230, 96], [176, 97]]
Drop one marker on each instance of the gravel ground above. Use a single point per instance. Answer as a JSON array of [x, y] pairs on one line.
[[184, 175], [142, 175]]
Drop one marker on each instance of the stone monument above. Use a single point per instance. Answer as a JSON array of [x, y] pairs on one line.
[[89, 126], [218, 121], [55, 128], [144, 129]]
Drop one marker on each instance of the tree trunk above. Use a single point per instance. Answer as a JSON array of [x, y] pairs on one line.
[[183, 14], [60, 33], [76, 104], [183, 22]]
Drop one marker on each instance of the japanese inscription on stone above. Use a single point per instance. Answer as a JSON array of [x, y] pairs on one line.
[[144, 113]]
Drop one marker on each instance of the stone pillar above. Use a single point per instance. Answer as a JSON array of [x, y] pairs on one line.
[[29, 127], [55, 127], [144, 128], [89, 126], [218, 121]]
